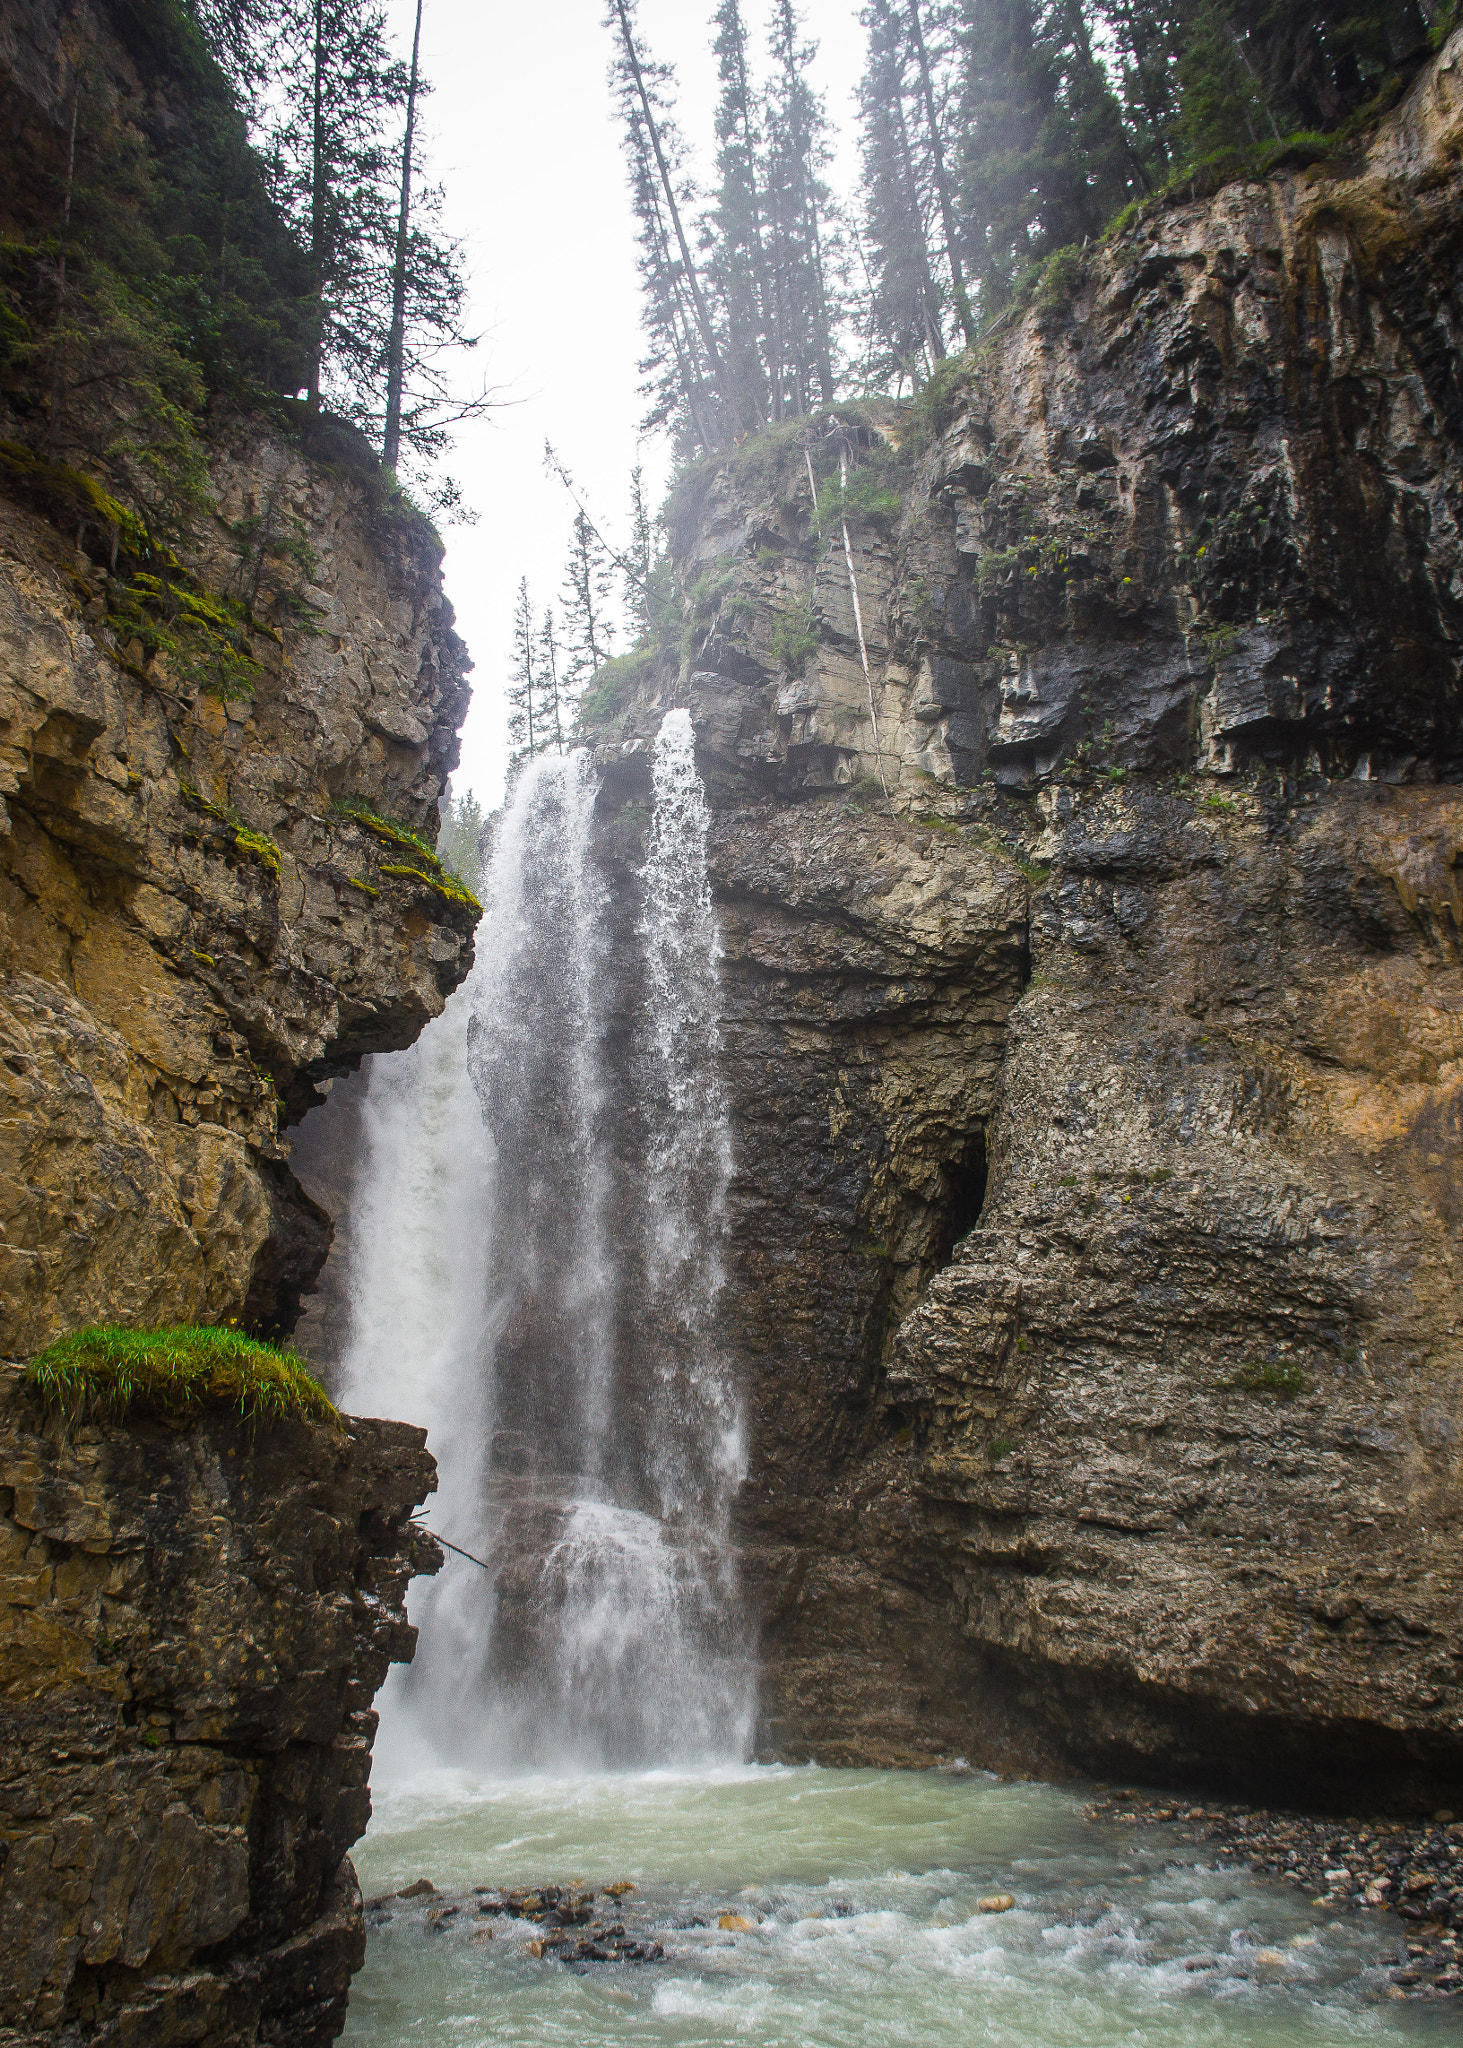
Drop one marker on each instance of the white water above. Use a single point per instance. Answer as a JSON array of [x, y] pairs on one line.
[[534, 1277], [862, 1888]]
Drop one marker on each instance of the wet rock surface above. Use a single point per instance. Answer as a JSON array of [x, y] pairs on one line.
[[574, 1923], [1410, 1869], [195, 1623]]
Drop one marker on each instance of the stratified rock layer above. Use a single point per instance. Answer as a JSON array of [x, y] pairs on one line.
[[190, 934], [195, 1625], [1113, 909]]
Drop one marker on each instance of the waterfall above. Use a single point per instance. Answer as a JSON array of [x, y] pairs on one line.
[[535, 1270]]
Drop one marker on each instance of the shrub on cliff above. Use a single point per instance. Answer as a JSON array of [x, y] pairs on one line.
[[175, 1373]]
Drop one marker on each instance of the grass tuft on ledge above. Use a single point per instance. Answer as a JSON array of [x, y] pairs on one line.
[[175, 1373]]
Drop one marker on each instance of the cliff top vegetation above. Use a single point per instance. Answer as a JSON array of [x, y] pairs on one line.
[[174, 1374], [997, 137], [223, 202]]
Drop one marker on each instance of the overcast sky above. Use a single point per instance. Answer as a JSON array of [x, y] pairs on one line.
[[518, 129]]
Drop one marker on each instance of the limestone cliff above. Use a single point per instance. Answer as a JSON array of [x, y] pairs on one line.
[[195, 1624], [222, 747], [194, 930], [1087, 845]]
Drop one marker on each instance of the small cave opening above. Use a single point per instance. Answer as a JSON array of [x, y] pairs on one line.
[[965, 1190]]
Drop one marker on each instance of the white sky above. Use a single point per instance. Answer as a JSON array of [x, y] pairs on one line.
[[519, 130]]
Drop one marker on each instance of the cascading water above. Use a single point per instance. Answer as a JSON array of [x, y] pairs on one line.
[[534, 1276]]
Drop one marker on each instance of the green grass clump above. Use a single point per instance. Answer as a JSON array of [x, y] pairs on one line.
[[795, 638], [175, 1373]]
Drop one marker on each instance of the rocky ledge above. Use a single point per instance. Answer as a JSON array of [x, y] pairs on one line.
[[195, 1624]]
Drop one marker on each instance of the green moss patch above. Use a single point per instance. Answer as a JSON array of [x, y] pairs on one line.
[[174, 1373], [433, 871], [258, 848], [446, 886], [1284, 1380], [255, 845]]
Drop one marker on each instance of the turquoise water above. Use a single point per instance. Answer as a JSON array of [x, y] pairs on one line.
[[862, 1886]]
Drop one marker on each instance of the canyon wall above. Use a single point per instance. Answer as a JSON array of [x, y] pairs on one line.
[[195, 1625], [194, 934], [222, 751], [214, 748], [1088, 849]]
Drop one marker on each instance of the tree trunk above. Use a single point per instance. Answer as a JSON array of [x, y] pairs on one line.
[[317, 203], [396, 346], [942, 183]]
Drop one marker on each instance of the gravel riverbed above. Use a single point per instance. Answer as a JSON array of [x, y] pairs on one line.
[[1411, 1869]]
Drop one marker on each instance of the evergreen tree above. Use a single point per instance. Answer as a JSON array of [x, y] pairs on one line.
[[552, 708], [686, 369], [940, 178], [460, 837], [905, 312], [1147, 36], [396, 340], [525, 727], [385, 289], [1048, 157], [588, 629], [738, 268], [640, 561], [797, 212]]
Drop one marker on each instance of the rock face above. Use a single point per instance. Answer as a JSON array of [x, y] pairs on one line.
[[196, 1623], [1096, 883], [191, 936]]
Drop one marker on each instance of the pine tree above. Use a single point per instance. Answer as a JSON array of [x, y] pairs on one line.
[[940, 178], [640, 558], [588, 630], [396, 340], [797, 212], [1101, 168], [525, 728], [1147, 36], [460, 837], [1008, 103], [385, 290], [686, 364], [905, 312], [552, 708], [738, 267]]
